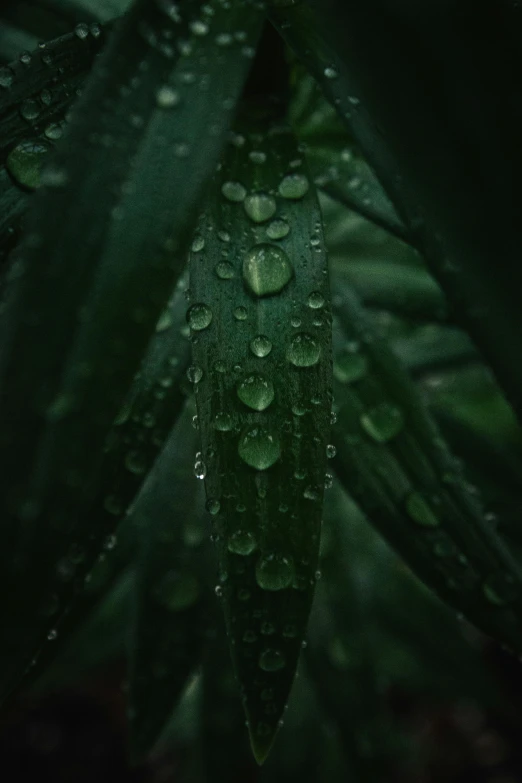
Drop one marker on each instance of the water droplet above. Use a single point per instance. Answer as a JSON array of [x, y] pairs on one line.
[[350, 366], [30, 109], [200, 469], [233, 191], [242, 543], [194, 373], [213, 506], [312, 493], [249, 637], [167, 97], [383, 422], [113, 505], [274, 572], [177, 591], [256, 391], [259, 447], [135, 462], [81, 31], [293, 186], [198, 243], [24, 162], [256, 156], [266, 269], [304, 350], [260, 346], [419, 511], [52, 635], [224, 270], [500, 589], [278, 229], [6, 78], [289, 631], [330, 73], [260, 207], [199, 27], [272, 660], [331, 451], [316, 300], [218, 591], [240, 313], [199, 316], [223, 422], [164, 321]]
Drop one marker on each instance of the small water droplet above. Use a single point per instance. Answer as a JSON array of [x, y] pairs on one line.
[[24, 162], [200, 469], [419, 511], [233, 191], [199, 316], [213, 506], [258, 157], [194, 373], [167, 97], [259, 207], [30, 109], [240, 313], [331, 451], [223, 422], [383, 422], [274, 572], [350, 366], [198, 243], [135, 462], [266, 269], [303, 351], [499, 589], [81, 31], [272, 660], [278, 229], [242, 543], [294, 186], [260, 346], [6, 78], [316, 300], [256, 391], [330, 73], [52, 635], [224, 270], [259, 447]]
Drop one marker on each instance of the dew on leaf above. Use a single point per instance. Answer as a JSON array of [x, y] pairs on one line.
[[24, 162], [233, 191], [199, 316], [383, 422], [223, 422], [167, 97], [272, 660], [303, 351], [260, 346], [242, 543], [316, 300], [293, 186], [259, 207], [259, 447], [256, 391], [277, 229], [266, 269], [274, 572], [240, 313], [224, 270], [419, 511]]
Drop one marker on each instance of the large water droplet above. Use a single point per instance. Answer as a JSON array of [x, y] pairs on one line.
[[419, 511], [272, 660], [242, 543], [303, 351], [383, 422], [256, 391], [260, 207], [259, 447], [233, 191], [199, 316], [274, 572], [266, 269], [24, 162], [293, 186], [260, 346]]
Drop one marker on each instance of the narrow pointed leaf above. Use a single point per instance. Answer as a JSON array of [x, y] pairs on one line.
[[260, 321], [425, 136], [93, 275], [170, 611], [392, 460]]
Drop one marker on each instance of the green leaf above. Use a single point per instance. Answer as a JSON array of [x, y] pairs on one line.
[[260, 320], [171, 604], [94, 273], [425, 137], [394, 463]]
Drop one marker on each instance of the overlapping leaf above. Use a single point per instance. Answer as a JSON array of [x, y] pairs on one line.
[[260, 323], [104, 245]]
